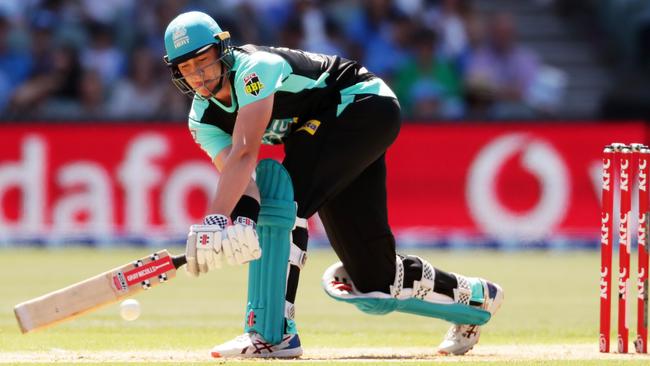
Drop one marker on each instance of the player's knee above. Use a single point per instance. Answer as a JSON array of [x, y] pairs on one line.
[[338, 284], [380, 277], [372, 280]]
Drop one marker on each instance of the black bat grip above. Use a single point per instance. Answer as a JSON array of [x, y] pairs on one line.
[[179, 260]]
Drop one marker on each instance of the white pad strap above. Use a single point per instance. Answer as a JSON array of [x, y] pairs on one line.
[[398, 284], [289, 310], [463, 293], [424, 286], [297, 256], [300, 222]]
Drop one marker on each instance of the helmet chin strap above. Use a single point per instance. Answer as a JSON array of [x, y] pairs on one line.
[[215, 90]]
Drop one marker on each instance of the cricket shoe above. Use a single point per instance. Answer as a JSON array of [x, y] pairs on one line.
[[252, 345], [461, 338]]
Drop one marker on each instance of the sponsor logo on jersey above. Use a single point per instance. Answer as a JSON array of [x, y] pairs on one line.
[[180, 37], [277, 130], [310, 126], [252, 84]]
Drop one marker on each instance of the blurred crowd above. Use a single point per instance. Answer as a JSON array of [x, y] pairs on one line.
[[102, 60]]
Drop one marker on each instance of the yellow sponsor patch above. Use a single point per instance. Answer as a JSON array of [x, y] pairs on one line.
[[310, 126]]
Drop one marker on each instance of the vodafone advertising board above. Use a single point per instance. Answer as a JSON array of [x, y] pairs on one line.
[[505, 182]]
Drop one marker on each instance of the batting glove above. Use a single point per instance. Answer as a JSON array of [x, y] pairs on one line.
[[241, 244], [204, 250]]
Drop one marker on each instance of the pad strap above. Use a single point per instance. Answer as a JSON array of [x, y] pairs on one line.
[[424, 286], [297, 256], [398, 284], [300, 222], [289, 310], [463, 292]]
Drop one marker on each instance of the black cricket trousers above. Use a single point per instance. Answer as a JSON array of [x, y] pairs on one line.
[[339, 171]]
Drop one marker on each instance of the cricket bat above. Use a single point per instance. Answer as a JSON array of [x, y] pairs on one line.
[[98, 291]]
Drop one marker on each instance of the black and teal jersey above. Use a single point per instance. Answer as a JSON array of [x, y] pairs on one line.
[[304, 84]]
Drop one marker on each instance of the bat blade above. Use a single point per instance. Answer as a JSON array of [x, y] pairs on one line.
[[98, 291]]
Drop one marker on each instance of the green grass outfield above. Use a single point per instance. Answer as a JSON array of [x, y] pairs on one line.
[[549, 316]]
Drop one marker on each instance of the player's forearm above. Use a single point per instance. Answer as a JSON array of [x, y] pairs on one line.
[[251, 190], [242, 157], [234, 181]]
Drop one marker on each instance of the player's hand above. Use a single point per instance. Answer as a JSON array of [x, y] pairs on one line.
[[241, 244], [204, 250]]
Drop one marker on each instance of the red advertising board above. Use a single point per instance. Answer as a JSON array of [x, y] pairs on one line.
[[514, 180], [526, 181]]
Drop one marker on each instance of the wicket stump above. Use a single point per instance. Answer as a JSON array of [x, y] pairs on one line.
[[621, 164]]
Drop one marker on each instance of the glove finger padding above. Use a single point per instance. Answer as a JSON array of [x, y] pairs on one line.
[[249, 242], [192, 267], [240, 247], [204, 245], [227, 250], [253, 243], [216, 254]]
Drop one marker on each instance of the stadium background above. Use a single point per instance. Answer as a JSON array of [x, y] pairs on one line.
[[507, 107]]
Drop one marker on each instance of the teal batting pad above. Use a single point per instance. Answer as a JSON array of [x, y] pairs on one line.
[[455, 313], [339, 286], [267, 276]]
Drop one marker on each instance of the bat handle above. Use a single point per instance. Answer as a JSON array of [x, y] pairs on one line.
[[179, 260]]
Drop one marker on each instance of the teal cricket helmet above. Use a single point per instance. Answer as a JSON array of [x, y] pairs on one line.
[[190, 34]]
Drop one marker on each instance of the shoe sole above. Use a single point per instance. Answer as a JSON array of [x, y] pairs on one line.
[[445, 353], [449, 353], [292, 353]]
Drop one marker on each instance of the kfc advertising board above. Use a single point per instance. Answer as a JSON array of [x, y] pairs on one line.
[[506, 182]]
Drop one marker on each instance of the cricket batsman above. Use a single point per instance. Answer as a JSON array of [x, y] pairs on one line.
[[336, 120]]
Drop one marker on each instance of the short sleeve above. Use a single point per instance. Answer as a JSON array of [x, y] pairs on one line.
[[259, 75], [210, 138]]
